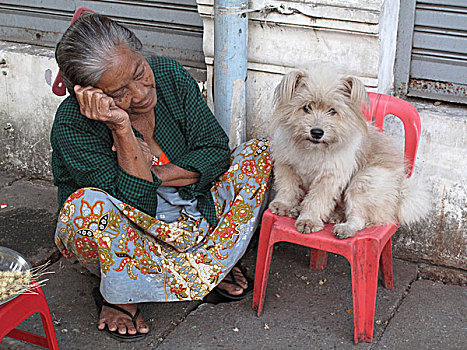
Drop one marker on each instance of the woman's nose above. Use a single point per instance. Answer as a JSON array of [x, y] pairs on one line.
[[139, 93]]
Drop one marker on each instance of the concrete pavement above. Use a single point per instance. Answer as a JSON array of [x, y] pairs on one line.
[[303, 309]]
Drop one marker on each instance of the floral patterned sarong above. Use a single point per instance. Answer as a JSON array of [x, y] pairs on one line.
[[142, 259]]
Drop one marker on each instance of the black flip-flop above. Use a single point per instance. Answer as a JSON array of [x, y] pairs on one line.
[[100, 302], [230, 297]]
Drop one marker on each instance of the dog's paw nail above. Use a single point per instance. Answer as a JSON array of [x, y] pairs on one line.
[[307, 226], [282, 209], [275, 208], [342, 231], [303, 229], [317, 228], [300, 226]]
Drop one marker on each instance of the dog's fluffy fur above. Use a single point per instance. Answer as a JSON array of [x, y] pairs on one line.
[[330, 165]]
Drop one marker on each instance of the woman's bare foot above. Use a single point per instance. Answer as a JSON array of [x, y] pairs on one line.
[[117, 320], [234, 289]]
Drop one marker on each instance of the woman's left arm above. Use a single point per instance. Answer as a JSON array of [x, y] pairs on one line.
[[173, 175]]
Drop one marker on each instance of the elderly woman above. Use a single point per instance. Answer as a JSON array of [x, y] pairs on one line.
[[152, 200]]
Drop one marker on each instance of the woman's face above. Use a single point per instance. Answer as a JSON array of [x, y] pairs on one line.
[[130, 82]]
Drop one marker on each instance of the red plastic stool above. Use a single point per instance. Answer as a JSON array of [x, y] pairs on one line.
[[368, 249], [367, 252], [20, 308]]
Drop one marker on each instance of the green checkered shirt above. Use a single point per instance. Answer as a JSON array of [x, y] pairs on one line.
[[186, 130]]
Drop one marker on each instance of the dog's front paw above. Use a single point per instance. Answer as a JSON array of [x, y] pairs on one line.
[[343, 230], [280, 208], [308, 226], [295, 212]]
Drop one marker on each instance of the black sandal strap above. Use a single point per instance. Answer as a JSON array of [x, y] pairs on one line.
[[232, 281], [122, 310], [133, 319]]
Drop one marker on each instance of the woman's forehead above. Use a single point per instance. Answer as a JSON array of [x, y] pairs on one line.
[[122, 69]]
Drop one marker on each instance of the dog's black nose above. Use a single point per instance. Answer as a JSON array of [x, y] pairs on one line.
[[317, 133]]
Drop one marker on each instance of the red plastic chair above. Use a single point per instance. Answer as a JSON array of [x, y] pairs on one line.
[[368, 250], [20, 308], [58, 87]]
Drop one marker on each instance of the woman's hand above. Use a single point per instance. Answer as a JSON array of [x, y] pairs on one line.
[[96, 105], [173, 175]]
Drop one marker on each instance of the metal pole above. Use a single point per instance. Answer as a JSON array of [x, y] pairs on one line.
[[230, 67]]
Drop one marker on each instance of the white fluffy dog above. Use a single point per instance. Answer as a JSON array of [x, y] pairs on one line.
[[330, 165]]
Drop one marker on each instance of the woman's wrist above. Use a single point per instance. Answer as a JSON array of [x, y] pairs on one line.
[[120, 128]]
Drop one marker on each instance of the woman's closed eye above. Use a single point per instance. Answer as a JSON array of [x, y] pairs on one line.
[[139, 74], [119, 94]]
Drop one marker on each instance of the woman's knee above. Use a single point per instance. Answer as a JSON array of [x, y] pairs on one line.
[[87, 196], [87, 193]]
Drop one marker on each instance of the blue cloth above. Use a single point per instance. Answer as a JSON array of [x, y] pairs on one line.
[[170, 206]]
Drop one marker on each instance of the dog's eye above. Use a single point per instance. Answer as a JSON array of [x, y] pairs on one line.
[[332, 111], [307, 109]]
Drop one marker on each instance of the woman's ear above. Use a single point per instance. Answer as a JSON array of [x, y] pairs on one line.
[[287, 87]]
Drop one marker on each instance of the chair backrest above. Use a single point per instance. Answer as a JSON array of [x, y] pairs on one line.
[[58, 87], [382, 105]]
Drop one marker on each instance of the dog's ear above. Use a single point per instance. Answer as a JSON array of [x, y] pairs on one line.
[[354, 89], [287, 87]]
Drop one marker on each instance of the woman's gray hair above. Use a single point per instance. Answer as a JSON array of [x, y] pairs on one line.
[[87, 48]]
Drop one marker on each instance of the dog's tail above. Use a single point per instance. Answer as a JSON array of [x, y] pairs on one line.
[[415, 201]]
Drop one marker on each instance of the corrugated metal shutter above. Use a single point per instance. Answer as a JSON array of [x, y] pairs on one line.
[[167, 28], [438, 67]]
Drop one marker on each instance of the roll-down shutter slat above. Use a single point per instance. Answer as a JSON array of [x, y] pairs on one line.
[[168, 28], [438, 65]]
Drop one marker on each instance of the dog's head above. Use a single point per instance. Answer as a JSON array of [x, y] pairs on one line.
[[320, 108]]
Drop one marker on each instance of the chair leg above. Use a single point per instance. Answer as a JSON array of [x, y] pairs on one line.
[[318, 259], [49, 330], [19, 309], [364, 270], [29, 337], [385, 265], [263, 262], [47, 321], [50, 339]]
